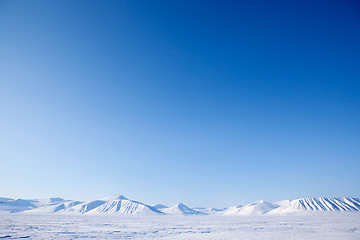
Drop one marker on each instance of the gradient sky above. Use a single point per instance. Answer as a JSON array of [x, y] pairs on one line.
[[209, 103]]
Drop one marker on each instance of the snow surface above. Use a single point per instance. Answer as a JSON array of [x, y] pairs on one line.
[[320, 226]]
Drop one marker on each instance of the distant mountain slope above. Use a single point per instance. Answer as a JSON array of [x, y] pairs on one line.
[[18, 205], [4, 199], [210, 210], [256, 208], [159, 206], [282, 203], [83, 207], [21, 205], [112, 205], [319, 205], [53, 208], [124, 206], [181, 209]]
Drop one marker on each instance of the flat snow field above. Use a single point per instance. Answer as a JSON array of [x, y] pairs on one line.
[[330, 226]]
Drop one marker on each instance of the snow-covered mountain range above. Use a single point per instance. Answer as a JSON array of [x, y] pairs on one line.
[[120, 205]]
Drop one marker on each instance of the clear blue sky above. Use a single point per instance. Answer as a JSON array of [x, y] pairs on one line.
[[209, 103]]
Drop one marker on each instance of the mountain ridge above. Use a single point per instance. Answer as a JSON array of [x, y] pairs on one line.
[[120, 205]]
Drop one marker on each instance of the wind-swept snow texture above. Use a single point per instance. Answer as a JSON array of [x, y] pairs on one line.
[[332, 226]]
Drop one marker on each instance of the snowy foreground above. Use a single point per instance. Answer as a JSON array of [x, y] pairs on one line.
[[315, 226], [117, 217]]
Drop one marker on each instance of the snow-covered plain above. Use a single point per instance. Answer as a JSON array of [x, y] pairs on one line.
[[327, 226], [117, 217]]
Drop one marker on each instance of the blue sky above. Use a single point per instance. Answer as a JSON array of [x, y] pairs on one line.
[[204, 102]]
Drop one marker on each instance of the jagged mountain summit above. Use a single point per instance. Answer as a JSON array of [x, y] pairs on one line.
[[181, 209]]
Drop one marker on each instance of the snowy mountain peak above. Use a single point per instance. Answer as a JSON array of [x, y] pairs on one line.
[[114, 197], [257, 202], [124, 206], [257, 208], [319, 205], [182, 206]]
